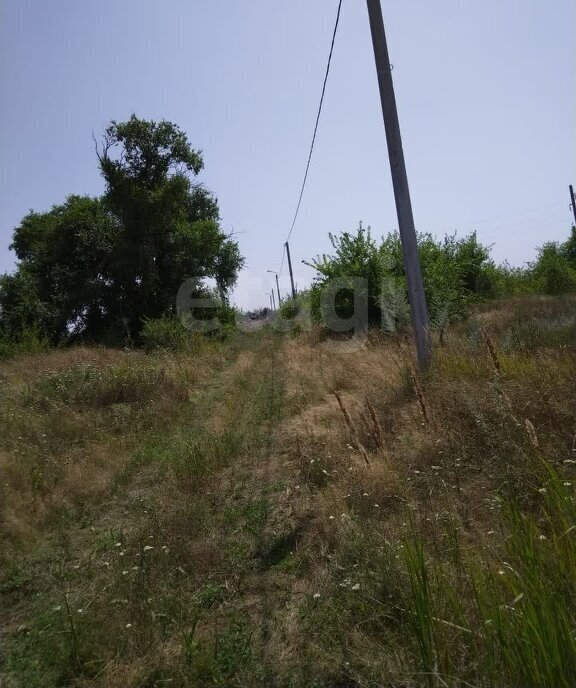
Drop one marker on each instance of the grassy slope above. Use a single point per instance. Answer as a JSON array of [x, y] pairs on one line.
[[224, 518]]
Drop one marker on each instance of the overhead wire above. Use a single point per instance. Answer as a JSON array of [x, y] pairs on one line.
[[484, 220], [314, 134], [513, 215]]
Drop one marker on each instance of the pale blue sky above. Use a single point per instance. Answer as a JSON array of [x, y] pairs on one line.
[[485, 90]]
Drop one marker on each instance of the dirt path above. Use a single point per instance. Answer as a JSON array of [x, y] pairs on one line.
[[190, 567]]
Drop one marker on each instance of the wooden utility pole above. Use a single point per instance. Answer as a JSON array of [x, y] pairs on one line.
[[277, 287], [278, 290], [573, 202], [419, 311], [290, 270]]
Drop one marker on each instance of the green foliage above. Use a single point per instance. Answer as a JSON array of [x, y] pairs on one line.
[[289, 309], [356, 256], [61, 285], [20, 307], [293, 316], [456, 272], [508, 280], [554, 270], [216, 662], [453, 274], [29, 341], [86, 386], [167, 334], [97, 267], [170, 225], [568, 248], [521, 622]]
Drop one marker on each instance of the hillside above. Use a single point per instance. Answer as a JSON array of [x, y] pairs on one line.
[[289, 511]]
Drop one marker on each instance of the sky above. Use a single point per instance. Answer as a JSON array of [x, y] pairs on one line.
[[485, 91]]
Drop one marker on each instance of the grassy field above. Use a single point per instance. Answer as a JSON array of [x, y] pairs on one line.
[[277, 511]]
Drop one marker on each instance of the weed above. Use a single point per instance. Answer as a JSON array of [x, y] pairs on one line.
[[204, 522]]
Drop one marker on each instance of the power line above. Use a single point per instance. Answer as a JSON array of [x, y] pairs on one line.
[[315, 129], [513, 215], [522, 223], [505, 227]]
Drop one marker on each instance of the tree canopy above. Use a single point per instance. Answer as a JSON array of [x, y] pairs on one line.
[[97, 267]]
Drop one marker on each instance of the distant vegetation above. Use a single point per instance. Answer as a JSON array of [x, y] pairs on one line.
[[107, 270], [457, 272], [95, 268]]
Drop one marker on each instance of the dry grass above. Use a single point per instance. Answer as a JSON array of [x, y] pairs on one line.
[[233, 521]]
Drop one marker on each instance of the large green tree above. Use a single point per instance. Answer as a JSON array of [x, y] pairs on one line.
[[98, 267]]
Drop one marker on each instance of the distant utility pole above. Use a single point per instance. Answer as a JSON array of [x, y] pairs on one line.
[[290, 270], [277, 287], [273, 299], [278, 290], [573, 202], [271, 304], [419, 311]]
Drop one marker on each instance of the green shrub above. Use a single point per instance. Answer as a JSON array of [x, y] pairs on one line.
[[213, 317], [289, 309], [293, 316], [28, 342], [508, 280], [568, 248], [356, 256], [553, 271], [456, 272], [165, 334]]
